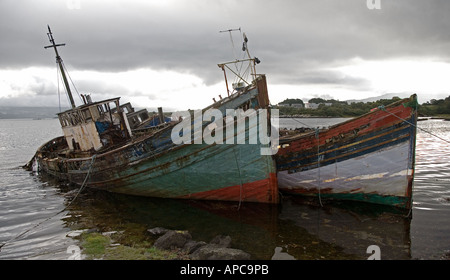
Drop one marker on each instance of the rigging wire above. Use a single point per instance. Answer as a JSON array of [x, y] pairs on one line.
[[59, 94], [233, 48], [242, 76], [73, 84]]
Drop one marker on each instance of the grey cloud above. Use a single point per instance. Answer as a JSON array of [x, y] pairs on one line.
[[292, 38], [333, 78]]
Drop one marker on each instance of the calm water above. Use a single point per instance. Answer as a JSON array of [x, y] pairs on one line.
[[37, 223]]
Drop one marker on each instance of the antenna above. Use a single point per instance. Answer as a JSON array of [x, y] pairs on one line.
[[229, 30]]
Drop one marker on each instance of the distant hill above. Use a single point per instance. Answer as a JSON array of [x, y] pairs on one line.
[[9, 112], [376, 98]]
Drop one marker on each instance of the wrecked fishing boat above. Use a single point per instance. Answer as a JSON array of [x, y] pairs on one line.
[[109, 147], [369, 158]]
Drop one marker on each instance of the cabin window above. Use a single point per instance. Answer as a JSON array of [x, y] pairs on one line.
[[94, 112], [100, 109], [87, 114], [64, 120], [74, 118]]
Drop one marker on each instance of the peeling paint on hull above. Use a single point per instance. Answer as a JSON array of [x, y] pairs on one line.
[[152, 165], [370, 158]]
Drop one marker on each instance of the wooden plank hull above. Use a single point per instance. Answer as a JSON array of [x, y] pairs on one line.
[[153, 165], [369, 158], [209, 172]]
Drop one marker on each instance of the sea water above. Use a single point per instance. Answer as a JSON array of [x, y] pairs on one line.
[[37, 222]]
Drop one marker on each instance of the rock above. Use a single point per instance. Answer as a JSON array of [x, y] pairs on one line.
[[92, 230], [158, 231], [214, 252], [222, 241], [279, 255], [217, 249], [446, 255], [110, 233], [192, 245], [172, 240], [76, 233]]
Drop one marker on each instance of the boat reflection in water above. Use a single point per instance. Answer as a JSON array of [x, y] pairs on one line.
[[292, 230], [349, 228]]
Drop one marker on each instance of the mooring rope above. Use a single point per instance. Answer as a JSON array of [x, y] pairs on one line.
[[65, 208], [317, 131], [85, 180], [240, 178], [424, 130], [318, 164]]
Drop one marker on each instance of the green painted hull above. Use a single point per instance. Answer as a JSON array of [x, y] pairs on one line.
[[152, 165]]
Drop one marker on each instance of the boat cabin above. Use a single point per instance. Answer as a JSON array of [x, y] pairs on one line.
[[95, 125]]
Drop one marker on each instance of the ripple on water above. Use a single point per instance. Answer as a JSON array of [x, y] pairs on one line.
[[302, 231]]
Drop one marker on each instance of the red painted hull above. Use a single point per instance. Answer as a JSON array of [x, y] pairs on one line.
[[264, 191], [369, 158]]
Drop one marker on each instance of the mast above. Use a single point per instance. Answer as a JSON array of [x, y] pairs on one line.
[[60, 64]]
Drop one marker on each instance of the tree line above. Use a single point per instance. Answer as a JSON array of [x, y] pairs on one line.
[[343, 109], [435, 107]]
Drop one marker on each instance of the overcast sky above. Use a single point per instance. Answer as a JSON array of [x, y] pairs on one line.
[[165, 53]]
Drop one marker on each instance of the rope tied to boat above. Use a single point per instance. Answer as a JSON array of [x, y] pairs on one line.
[[85, 180], [240, 178], [316, 133], [424, 130], [414, 125], [65, 208], [318, 163]]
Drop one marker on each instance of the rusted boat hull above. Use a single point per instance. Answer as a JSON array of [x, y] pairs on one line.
[[209, 172], [369, 158], [153, 165]]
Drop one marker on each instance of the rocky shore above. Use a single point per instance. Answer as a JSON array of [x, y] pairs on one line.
[[217, 249], [160, 244]]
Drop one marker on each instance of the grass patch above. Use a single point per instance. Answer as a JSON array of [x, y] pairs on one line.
[[97, 246], [122, 252], [94, 244]]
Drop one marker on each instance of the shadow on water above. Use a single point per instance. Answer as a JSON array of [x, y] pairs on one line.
[[292, 230]]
